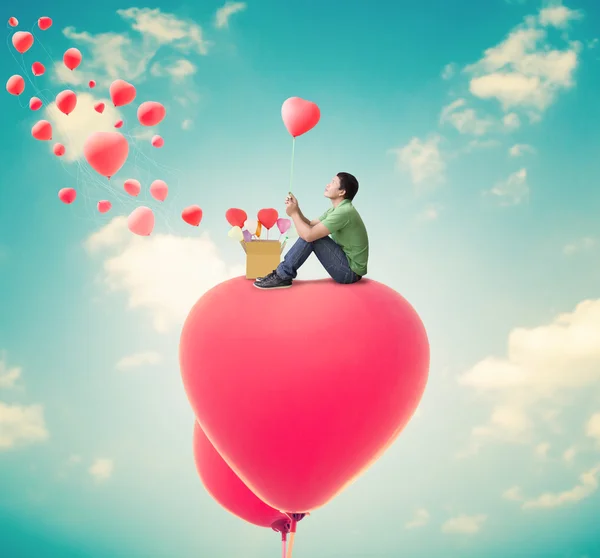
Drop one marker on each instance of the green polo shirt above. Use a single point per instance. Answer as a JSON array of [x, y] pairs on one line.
[[348, 230]]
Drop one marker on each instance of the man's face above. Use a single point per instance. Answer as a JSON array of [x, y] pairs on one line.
[[332, 190]]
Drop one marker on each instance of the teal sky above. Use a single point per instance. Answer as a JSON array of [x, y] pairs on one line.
[[473, 130]]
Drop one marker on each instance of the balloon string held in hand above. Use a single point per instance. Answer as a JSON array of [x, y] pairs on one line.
[[292, 165]]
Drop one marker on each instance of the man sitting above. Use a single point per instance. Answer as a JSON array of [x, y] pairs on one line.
[[344, 255]]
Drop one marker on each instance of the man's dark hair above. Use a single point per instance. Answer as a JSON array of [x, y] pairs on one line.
[[349, 184]]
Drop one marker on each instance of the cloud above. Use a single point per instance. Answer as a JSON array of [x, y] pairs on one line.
[[524, 71], [101, 469], [138, 360], [541, 450], [186, 124], [519, 149], [8, 375], [74, 129], [592, 428], [224, 13], [569, 455], [544, 366], [466, 120], [423, 160], [179, 70], [420, 519], [21, 424], [163, 274], [588, 484], [513, 190], [514, 494], [511, 121], [466, 524], [448, 71], [581, 245], [558, 16], [430, 213], [74, 459]]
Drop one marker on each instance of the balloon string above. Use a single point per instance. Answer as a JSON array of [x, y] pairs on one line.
[[283, 548], [291, 545], [292, 166]]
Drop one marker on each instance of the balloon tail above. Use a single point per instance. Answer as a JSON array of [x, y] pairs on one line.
[[292, 166], [283, 548]]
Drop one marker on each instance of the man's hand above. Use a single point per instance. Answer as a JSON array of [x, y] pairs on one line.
[[291, 205]]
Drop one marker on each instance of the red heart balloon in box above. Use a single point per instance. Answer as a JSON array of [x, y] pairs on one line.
[[236, 217], [268, 217], [344, 401]]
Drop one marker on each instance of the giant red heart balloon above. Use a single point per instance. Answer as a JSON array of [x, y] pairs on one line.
[[346, 373], [226, 487], [299, 116], [268, 217]]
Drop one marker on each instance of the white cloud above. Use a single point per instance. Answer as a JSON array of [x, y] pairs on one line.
[[545, 365], [72, 130], [420, 519], [541, 450], [166, 28], [8, 375], [466, 120], [592, 428], [519, 149], [524, 70], [224, 13], [423, 160], [101, 469], [558, 16], [587, 486], [138, 360], [513, 190], [186, 124], [449, 71], [162, 274], [514, 494], [569, 455], [74, 459], [21, 424], [179, 70], [581, 245], [430, 213], [511, 121], [466, 524], [593, 43]]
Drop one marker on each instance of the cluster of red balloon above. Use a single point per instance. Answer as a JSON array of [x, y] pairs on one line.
[[106, 152], [246, 229]]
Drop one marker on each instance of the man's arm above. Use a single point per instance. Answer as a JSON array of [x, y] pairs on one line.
[[306, 230]]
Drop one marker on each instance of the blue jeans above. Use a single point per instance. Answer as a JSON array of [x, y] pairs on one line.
[[330, 254]]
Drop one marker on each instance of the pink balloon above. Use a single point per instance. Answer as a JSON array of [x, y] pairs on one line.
[[92, 84], [283, 225], [44, 23], [122, 92], [66, 101], [104, 206], [157, 141], [15, 85], [132, 187], [159, 190], [349, 405], [118, 123], [151, 113], [35, 103], [299, 116], [22, 41], [99, 107], [42, 130], [141, 221], [13, 21], [38, 69], [59, 149], [67, 195], [226, 488], [72, 58], [106, 152]]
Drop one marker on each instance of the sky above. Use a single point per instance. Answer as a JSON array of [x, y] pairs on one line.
[[472, 128]]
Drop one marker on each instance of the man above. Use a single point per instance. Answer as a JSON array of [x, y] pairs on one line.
[[344, 255]]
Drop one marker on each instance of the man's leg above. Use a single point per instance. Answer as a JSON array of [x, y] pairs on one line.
[[287, 270], [334, 260]]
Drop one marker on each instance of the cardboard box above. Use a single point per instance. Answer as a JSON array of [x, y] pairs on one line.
[[262, 257]]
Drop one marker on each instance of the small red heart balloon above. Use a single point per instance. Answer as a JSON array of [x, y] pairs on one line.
[[192, 215], [236, 217], [268, 217]]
